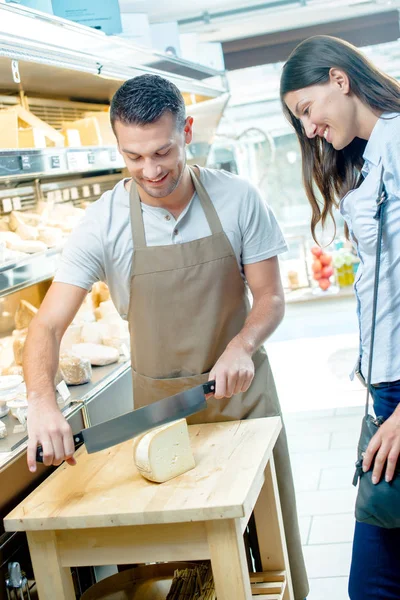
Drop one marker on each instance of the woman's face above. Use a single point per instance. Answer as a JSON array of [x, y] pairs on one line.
[[328, 110]]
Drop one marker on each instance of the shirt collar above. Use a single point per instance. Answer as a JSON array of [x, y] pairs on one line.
[[372, 153], [377, 142]]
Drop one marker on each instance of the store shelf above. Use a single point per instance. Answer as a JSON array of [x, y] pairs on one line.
[[27, 271], [309, 295], [61, 58], [51, 162], [15, 443]]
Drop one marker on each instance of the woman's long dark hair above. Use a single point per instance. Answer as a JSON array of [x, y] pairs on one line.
[[334, 172]]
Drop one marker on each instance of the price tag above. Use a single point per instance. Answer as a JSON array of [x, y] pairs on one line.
[[63, 390], [16, 202], [96, 189], [72, 161], [7, 205], [19, 428], [25, 162], [55, 162], [66, 194], [74, 193], [58, 196], [125, 352], [86, 191]]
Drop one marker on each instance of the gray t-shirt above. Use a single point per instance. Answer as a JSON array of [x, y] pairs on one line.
[[101, 248]]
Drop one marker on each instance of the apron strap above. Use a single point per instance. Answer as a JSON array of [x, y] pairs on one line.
[[205, 201], [137, 225]]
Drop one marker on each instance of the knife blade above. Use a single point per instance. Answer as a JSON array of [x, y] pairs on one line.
[[127, 426]]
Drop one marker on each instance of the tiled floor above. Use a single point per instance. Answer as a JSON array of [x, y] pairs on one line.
[[322, 446], [317, 346]]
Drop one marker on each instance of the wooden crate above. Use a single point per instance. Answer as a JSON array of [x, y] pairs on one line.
[[270, 585]]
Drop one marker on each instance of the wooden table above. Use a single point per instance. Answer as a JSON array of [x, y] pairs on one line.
[[103, 512]]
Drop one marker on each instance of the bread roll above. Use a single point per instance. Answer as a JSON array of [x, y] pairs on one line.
[[24, 315], [18, 348]]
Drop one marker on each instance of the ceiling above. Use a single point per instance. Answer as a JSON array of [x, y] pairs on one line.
[[225, 20], [266, 31]]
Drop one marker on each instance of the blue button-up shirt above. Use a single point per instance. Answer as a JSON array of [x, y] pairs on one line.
[[358, 208]]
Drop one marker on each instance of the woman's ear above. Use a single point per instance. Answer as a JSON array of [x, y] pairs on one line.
[[340, 79]]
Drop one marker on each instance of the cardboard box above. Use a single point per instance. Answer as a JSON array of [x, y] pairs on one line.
[[99, 14]]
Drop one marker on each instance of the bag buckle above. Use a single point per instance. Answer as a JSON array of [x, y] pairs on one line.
[[358, 472]]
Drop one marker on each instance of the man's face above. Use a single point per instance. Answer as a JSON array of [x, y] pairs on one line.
[[155, 154]]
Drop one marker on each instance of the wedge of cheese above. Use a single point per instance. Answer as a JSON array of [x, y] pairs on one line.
[[97, 354], [164, 452], [74, 369]]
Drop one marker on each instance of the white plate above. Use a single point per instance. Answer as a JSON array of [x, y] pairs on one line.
[[9, 382]]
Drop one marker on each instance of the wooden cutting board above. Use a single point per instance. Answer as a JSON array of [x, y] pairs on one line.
[[105, 489]]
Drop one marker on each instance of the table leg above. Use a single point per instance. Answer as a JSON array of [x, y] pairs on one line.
[[270, 530], [52, 579], [228, 560]]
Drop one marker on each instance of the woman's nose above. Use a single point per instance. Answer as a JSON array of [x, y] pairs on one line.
[[310, 129]]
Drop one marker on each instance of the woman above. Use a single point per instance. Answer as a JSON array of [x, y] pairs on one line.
[[346, 114]]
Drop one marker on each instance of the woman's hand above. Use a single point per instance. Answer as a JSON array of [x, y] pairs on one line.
[[385, 446]]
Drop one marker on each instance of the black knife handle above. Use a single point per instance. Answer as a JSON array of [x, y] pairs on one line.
[[78, 441], [209, 387]]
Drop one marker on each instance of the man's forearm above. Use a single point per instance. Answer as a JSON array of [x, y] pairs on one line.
[[266, 314], [41, 355]]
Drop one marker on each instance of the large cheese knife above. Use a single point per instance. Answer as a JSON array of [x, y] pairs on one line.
[[127, 426]]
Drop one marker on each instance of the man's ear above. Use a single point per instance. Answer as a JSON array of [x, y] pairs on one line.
[[188, 130], [340, 79]]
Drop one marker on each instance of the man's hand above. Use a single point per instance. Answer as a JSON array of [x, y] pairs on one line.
[[233, 372], [50, 429], [386, 446]]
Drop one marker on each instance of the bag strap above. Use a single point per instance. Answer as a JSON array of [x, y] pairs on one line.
[[380, 209]]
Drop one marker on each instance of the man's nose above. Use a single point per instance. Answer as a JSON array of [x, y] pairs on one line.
[[151, 170]]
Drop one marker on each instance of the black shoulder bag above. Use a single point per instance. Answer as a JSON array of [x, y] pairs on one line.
[[376, 504]]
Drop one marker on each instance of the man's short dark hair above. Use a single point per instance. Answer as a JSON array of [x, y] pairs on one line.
[[145, 99]]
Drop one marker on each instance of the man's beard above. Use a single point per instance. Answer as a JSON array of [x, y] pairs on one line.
[[163, 192]]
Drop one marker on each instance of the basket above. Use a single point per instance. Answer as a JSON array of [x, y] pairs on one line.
[[153, 582]]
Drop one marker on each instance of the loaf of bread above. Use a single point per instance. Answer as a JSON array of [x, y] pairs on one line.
[[74, 369], [94, 333], [24, 314], [106, 311], [9, 237], [22, 228], [71, 336], [13, 370], [28, 246], [18, 348], [100, 293], [97, 354], [51, 236]]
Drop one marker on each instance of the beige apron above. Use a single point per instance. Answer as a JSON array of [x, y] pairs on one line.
[[187, 302]]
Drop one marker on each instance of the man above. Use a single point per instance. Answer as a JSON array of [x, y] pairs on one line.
[[177, 247]]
